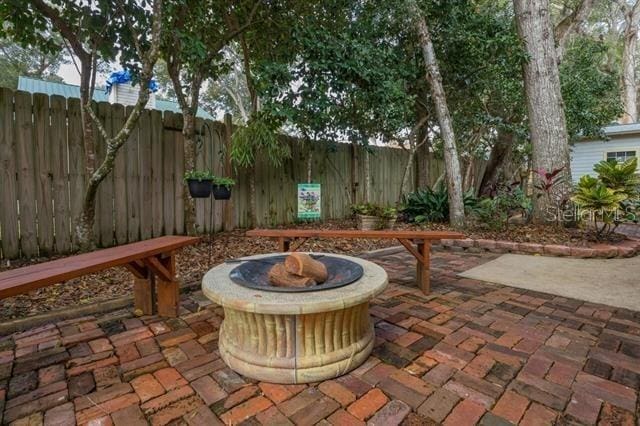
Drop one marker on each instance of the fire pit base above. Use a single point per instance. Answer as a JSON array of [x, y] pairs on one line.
[[295, 337]]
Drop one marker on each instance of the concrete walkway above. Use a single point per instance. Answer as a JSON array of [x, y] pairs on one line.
[[614, 282], [469, 353]]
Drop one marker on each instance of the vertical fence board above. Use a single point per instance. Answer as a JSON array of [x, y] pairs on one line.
[[146, 190], [156, 173], [77, 171], [42, 149], [178, 172], [168, 142], [120, 201], [26, 174], [104, 198], [132, 181], [8, 190], [59, 168]]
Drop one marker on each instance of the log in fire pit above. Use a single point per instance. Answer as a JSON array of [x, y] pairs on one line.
[[295, 335]]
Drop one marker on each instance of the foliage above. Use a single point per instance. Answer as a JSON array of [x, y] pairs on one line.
[[494, 211], [259, 137], [16, 61], [548, 180], [430, 204], [600, 202], [589, 88], [611, 197], [389, 213], [367, 209], [227, 182], [199, 175], [372, 209], [620, 177]]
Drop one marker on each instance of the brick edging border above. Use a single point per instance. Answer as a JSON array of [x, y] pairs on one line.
[[628, 248]]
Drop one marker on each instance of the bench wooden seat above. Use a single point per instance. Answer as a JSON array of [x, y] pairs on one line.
[[421, 251], [152, 262]]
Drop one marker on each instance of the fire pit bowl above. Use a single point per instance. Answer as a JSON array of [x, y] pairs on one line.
[[295, 337]]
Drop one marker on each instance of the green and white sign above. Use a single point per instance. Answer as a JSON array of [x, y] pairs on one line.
[[309, 201]]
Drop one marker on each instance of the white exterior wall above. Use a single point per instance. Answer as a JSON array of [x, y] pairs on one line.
[[585, 154], [126, 94]]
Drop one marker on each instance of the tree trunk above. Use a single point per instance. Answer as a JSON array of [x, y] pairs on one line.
[[629, 89], [571, 24], [422, 153], [83, 235], [451, 160], [188, 131], [406, 175], [547, 125], [501, 154], [84, 225]]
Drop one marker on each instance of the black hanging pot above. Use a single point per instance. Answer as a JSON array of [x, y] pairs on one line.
[[221, 192], [199, 188]]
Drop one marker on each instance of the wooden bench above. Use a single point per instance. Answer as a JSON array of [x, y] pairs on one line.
[[421, 251], [152, 263]]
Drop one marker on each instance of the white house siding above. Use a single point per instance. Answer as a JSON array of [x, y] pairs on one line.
[[585, 154]]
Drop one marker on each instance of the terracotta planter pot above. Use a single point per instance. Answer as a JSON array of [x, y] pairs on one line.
[[199, 188], [368, 223]]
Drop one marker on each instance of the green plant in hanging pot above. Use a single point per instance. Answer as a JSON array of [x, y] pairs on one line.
[[199, 183], [222, 187]]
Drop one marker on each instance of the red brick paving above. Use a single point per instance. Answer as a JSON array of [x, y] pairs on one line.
[[469, 353]]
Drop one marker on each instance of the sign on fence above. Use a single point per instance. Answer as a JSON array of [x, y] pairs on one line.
[[309, 201]]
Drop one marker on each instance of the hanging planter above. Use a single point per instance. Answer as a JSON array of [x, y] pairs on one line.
[[221, 192], [199, 183], [222, 187]]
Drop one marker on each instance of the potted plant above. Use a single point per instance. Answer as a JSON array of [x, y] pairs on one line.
[[367, 216], [199, 182], [388, 217], [222, 187]]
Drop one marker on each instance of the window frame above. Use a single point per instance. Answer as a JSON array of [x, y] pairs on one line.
[[617, 151]]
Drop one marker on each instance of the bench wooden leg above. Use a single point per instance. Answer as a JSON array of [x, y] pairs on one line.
[[144, 295], [168, 291], [284, 244], [422, 273]]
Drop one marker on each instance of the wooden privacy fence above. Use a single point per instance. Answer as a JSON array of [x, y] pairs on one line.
[[42, 177]]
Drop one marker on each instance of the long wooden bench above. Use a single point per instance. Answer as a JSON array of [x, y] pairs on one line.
[[152, 263], [421, 251]]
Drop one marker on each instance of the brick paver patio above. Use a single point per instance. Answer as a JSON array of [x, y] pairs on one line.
[[469, 353]]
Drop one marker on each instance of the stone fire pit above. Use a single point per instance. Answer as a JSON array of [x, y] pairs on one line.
[[295, 337]]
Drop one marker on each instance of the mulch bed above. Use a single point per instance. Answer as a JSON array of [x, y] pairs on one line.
[[194, 261]]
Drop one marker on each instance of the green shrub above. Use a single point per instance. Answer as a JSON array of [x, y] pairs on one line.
[[494, 212], [223, 181], [430, 204], [619, 177], [601, 202], [371, 209], [199, 175]]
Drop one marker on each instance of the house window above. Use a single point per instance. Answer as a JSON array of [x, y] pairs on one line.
[[620, 156]]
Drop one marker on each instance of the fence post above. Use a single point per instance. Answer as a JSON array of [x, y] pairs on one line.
[[228, 217]]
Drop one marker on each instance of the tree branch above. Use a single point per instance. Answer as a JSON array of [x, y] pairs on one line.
[[570, 24], [67, 32]]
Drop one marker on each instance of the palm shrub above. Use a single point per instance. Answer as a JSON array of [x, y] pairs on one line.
[[620, 177], [601, 202]]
